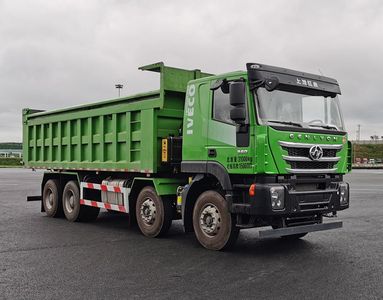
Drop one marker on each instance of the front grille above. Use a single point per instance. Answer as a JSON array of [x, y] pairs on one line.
[[303, 220], [313, 206], [314, 202], [311, 165], [299, 160], [304, 152]]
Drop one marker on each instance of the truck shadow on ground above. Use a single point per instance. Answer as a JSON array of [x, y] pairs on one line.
[[114, 221], [248, 242], [270, 247]]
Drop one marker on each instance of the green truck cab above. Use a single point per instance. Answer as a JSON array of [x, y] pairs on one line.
[[255, 148]]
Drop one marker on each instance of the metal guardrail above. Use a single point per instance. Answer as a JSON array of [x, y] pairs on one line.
[[367, 142], [367, 166]]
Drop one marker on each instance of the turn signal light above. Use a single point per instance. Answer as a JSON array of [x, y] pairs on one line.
[[252, 190]]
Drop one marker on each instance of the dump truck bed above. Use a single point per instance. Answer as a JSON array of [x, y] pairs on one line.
[[116, 135]]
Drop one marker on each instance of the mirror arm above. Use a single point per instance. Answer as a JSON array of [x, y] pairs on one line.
[[256, 84], [242, 128]]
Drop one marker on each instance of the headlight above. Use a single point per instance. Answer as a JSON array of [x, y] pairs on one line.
[[343, 193], [277, 197]]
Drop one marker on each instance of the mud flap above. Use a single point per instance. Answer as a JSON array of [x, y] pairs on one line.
[[34, 198]]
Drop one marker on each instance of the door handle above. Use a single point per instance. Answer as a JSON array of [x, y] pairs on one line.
[[212, 153]]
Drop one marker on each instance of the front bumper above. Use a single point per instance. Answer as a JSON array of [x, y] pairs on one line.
[[296, 200], [299, 229]]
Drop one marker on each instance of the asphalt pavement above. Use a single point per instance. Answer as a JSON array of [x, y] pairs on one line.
[[45, 258]]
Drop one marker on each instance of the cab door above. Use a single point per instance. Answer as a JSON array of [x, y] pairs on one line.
[[225, 143]]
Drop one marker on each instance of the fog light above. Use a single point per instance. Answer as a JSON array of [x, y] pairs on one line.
[[343, 193], [277, 197]]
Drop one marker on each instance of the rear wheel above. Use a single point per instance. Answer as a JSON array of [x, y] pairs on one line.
[[154, 213], [213, 224], [73, 210], [52, 199]]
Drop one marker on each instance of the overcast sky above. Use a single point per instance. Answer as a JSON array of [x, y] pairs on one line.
[[56, 54]]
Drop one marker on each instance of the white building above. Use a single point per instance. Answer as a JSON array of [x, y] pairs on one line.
[[11, 153]]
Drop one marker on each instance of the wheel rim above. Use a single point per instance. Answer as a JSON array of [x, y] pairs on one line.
[[210, 220], [49, 199], [69, 201], [148, 211]]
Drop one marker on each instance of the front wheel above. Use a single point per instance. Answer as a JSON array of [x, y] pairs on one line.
[[213, 224]]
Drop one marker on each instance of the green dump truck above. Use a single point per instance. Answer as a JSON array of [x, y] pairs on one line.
[[255, 148]]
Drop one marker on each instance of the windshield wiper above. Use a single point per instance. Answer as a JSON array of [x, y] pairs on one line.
[[326, 126], [285, 122]]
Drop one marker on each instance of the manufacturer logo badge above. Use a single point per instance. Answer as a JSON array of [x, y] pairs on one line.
[[190, 109], [316, 152]]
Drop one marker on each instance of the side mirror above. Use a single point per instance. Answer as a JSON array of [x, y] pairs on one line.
[[238, 99], [238, 114], [237, 93]]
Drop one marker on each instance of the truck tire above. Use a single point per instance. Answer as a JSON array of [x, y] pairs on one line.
[[74, 212], [52, 199], [154, 214], [213, 224]]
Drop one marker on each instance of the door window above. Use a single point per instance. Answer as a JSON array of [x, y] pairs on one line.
[[222, 107]]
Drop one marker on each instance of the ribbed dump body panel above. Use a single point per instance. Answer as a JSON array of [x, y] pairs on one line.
[[116, 135], [121, 135]]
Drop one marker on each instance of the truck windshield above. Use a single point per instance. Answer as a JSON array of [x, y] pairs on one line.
[[293, 109]]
